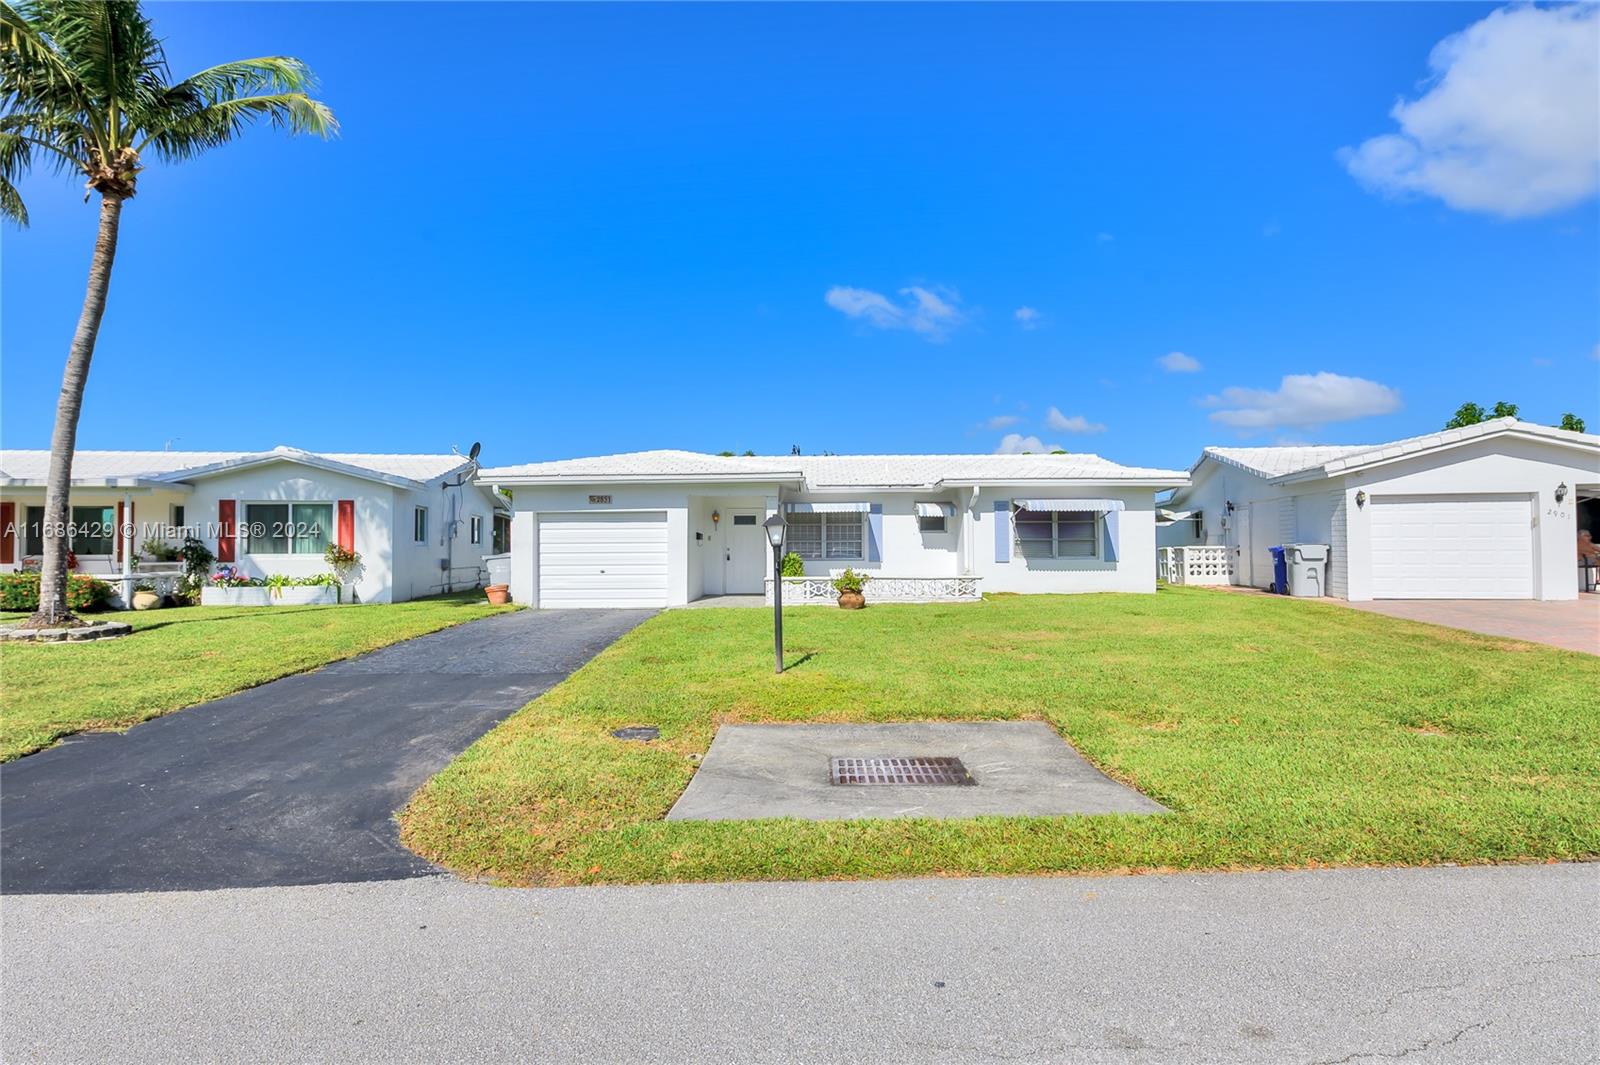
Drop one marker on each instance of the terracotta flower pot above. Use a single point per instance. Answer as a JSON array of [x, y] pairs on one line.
[[499, 594], [852, 600]]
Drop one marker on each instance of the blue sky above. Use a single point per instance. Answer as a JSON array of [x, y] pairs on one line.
[[575, 230]]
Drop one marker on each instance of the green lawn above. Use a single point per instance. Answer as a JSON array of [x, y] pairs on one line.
[[180, 657], [1280, 732]]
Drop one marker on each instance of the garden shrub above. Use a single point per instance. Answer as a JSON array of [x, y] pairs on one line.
[[793, 565], [20, 591]]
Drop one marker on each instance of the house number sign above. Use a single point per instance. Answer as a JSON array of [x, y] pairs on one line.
[[599, 499]]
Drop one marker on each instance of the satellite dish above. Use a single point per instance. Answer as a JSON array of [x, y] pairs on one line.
[[472, 453]]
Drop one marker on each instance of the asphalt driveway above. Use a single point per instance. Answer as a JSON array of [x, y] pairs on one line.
[[294, 782]]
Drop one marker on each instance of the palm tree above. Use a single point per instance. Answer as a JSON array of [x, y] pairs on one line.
[[84, 87]]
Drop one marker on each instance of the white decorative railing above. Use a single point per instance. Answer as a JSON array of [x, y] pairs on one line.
[[798, 591], [1208, 564]]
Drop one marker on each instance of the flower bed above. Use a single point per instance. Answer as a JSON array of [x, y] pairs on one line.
[[261, 595], [230, 587]]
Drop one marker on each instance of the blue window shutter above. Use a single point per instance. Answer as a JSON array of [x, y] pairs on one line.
[[1111, 534], [1002, 530], [875, 533]]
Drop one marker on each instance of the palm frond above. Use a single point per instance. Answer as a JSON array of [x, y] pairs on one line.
[[217, 123], [85, 82], [11, 205], [15, 154]]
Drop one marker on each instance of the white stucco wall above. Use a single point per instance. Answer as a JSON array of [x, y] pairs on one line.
[[1495, 466], [694, 542], [292, 482], [1133, 571]]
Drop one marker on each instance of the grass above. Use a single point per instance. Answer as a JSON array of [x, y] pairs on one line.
[[1281, 733], [180, 657]]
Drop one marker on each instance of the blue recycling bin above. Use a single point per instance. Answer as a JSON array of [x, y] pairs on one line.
[[1280, 571]]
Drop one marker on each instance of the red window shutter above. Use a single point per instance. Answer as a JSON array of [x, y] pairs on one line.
[[347, 524], [116, 539], [225, 517], [8, 533]]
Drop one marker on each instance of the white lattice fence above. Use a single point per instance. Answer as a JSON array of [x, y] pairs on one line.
[[802, 590], [1210, 564]]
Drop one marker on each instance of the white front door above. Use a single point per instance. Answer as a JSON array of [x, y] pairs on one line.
[[744, 554], [1452, 547]]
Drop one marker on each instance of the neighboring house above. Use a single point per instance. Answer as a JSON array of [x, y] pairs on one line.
[[1490, 511], [662, 528], [419, 522]]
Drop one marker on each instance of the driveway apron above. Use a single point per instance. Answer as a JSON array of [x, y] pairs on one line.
[[293, 782]]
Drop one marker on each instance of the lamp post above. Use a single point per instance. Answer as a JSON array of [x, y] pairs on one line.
[[774, 527]]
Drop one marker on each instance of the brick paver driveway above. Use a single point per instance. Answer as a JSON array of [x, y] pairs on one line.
[[1572, 624]]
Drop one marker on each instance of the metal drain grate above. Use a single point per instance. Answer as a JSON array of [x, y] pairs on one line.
[[940, 771]]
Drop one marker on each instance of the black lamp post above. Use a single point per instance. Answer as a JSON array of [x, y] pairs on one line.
[[774, 527]]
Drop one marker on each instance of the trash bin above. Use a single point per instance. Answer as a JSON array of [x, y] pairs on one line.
[[1308, 567], [1280, 572]]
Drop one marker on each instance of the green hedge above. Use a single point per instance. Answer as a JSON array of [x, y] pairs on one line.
[[20, 591]]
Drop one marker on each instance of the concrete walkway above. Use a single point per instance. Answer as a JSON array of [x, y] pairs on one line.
[[1572, 624], [1426, 965], [294, 782]]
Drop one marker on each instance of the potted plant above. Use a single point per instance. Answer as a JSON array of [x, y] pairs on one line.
[[344, 564], [145, 597], [849, 585], [499, 594]]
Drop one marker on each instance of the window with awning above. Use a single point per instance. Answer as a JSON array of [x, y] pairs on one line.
[[934, 517], [1070, 506], [828, 507]]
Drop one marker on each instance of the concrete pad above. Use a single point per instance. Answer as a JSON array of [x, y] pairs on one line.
[[1021, 767]]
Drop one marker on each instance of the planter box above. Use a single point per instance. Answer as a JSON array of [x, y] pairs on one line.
[[306, 595]]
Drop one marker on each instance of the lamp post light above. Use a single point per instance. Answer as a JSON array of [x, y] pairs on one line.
[[774, 527]]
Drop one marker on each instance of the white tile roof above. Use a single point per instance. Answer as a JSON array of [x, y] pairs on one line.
[[824, 472], [171, 465], [1285, 462], [1279, 461]]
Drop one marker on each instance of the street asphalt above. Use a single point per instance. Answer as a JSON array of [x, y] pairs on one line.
[[294, 782], [1487, 964]]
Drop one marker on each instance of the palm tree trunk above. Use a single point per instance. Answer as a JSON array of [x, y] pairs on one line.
[[63, 441]]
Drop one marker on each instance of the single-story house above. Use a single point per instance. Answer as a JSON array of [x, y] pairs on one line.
[[662, 528], [420, 523], [1490, 511]]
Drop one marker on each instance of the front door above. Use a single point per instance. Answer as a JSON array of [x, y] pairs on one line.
[[744, 554]]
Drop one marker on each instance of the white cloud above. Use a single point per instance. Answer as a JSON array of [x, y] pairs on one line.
[[1303, 400], [1510, 122], [1077, 423], [1178, 362], [1001, 421], [1016, 444], [1026, 317], [922, 310]]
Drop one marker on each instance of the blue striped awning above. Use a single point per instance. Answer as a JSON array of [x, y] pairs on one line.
[[827, 507], [1070, 506]]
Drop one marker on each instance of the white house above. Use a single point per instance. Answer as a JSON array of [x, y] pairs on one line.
[[1491, 511], [419, 522], [662, 528]]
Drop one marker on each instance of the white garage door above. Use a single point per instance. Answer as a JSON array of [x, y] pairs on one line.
[[595, 560], [1452, 547]]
